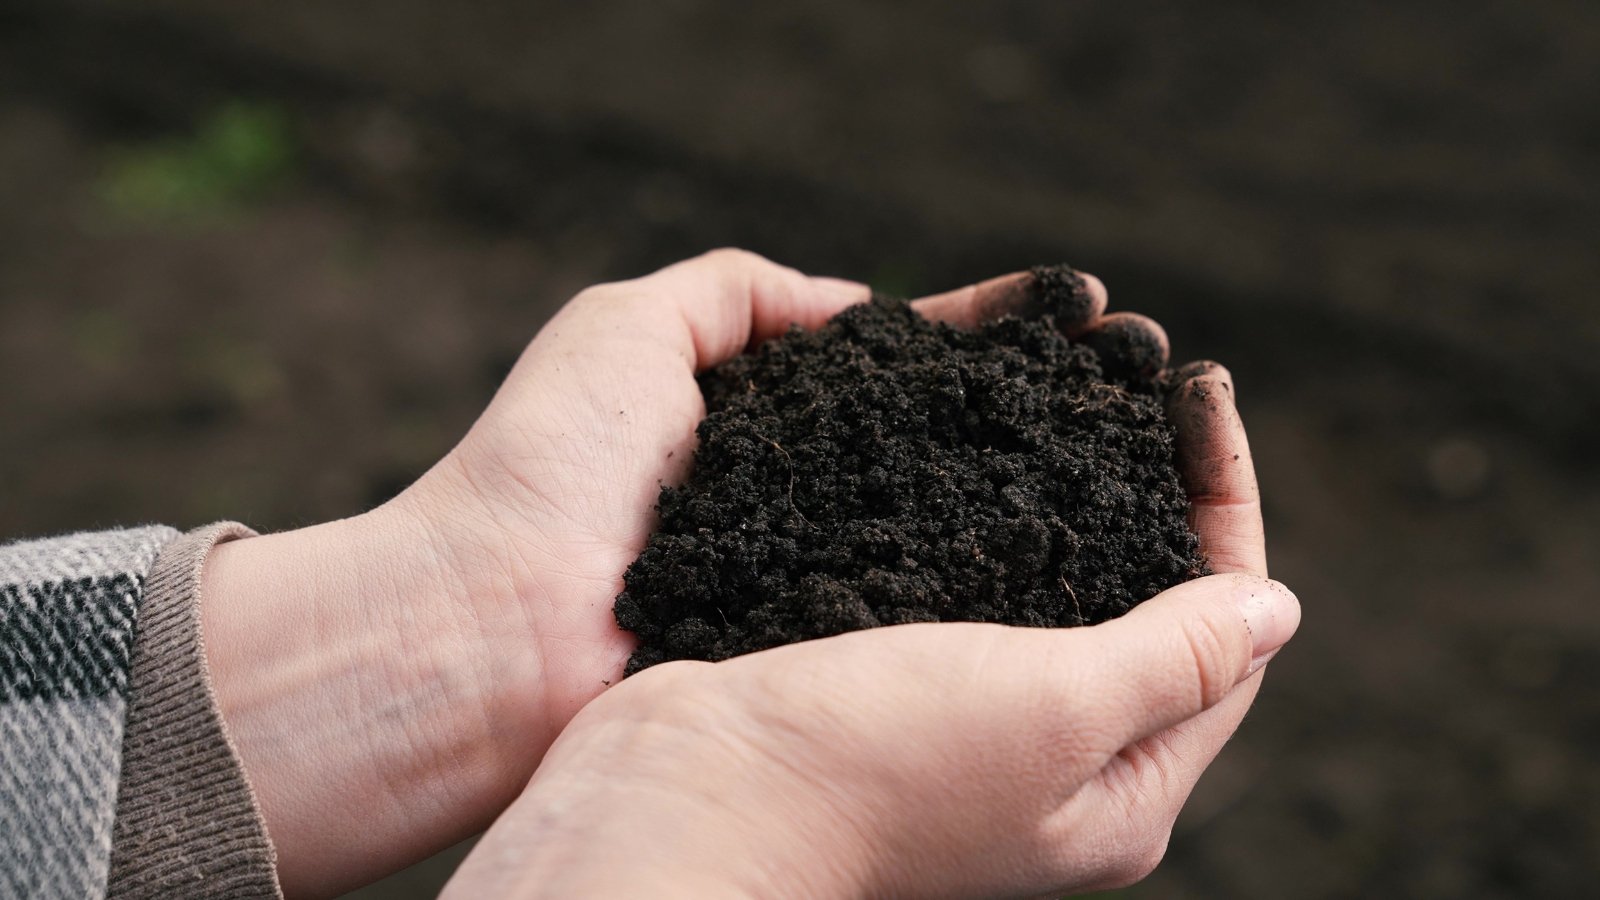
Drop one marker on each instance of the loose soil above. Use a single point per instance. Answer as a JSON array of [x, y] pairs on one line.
[[885, 469]]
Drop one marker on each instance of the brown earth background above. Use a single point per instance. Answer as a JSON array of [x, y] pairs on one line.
[[267, 261]]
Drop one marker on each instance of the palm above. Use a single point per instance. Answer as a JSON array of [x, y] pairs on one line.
[[601, 411], [582, 470]]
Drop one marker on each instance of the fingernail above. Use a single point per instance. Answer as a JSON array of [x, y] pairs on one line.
[[1271, 612]]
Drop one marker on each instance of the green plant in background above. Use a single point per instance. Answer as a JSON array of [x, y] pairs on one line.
[[898, 278], [102, 339], [233, 158]]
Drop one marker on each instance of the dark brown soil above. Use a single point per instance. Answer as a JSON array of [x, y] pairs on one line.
[[886, 470]]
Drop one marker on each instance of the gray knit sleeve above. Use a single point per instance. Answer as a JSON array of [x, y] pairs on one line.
[[68, 611], [187, 822]]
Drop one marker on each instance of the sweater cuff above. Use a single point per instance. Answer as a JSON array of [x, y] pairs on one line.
[[187, 822]]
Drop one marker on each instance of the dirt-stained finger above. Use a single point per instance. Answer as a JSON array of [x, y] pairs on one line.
[[1075, 299], [971, 306], [1213, 457], [1130, 345], [1175, 376]]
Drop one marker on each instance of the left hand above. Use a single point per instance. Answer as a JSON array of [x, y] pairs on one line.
[[392, 680]]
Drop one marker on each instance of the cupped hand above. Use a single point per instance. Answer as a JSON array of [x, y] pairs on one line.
[[403, 671], [947, 760], [925, 760], [553, 491]]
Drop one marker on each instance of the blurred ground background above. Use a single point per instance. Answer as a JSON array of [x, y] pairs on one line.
[[267, 261]]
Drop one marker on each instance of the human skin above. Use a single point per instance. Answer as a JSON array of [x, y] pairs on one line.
[[952, 760], [392, 680]]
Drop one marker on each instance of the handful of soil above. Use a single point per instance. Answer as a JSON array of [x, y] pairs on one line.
[[885, 469]]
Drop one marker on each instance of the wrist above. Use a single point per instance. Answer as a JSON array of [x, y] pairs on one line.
[[371, 721], [664, 786]]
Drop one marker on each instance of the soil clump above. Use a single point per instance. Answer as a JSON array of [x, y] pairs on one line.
[[885, 469]]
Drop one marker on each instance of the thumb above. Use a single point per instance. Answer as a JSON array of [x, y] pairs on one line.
[[712, 307], [1181, 652]]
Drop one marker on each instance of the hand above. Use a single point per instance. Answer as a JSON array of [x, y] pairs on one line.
[[946, 759], [950, 760], [391, 680]]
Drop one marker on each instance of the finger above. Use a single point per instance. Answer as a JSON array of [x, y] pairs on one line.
[[1180, 653], [1183, 751], [1170, 762], [1141, 790], [1213, 458], [968, 307], [1177, 375], [1075, 299], [1130, 345], [713, 307]]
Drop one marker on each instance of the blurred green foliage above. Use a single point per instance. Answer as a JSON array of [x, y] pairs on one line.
[[241, 367], [102, 339], [235, 156], [898, 278]]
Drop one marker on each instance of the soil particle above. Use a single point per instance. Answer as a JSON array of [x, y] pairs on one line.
[[885, 470], [1061, 292]]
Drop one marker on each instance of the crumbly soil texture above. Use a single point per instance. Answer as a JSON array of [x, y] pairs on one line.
[[885, 469]]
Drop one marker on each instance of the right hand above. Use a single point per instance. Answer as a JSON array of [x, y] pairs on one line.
[[921, 760]]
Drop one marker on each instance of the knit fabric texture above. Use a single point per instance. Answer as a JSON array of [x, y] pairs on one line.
[[68, 610], [188, 824]]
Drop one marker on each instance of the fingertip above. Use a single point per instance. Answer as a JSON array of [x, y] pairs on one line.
[[1290, 610], [1212, 454], [1271, 615], [1076, 300], [1175, 376], [1098, 296], [1202, 408], [1130, 345]]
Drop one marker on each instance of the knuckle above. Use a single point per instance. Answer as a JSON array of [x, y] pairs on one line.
[[734, 258], [602, 298], [1140, 850], [1215, 653], [1127, 853], [1143, 859]]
